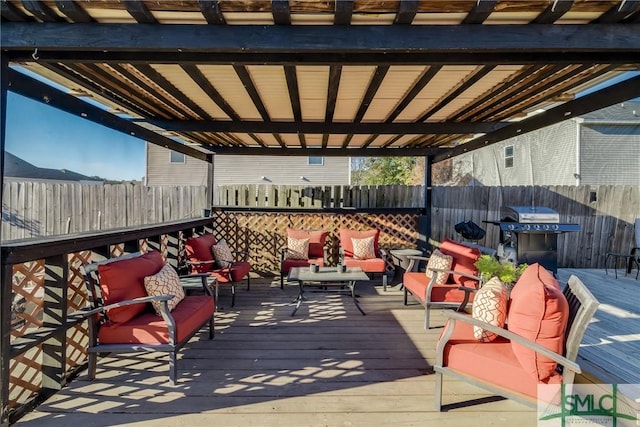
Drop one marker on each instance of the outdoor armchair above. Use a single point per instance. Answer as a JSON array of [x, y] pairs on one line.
[[448, 281], [361, 249], [205, 254], [304, 247], [538, 345]]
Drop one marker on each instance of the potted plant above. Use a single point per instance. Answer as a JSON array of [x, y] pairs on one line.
[[508, 273]]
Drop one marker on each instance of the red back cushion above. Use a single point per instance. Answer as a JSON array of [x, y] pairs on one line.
[[124, 280], [463, 259], [539, 312], [347, 245], [199, 249], [316, 240]]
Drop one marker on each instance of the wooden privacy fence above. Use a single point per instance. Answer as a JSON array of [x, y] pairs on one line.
[[605, 213], [32, 209], [304, 196]]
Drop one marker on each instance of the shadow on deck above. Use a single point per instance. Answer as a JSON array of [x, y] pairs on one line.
[[326, 366]]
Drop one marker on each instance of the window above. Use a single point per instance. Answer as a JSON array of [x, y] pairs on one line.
[[508, 156], [315, 160], [177, 157]]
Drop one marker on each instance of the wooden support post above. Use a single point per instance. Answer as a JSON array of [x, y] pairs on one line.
[[424, 221], [54, 349], [210, 196], [6, 298]]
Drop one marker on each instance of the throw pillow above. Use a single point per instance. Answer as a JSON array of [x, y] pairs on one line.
[[363, 248], [297, 248], [441, 261], [490, 306], [538, 311], [164, 282], [222, 254]]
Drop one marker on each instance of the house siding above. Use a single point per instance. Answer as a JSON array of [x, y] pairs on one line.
[[277, 170], [610, 154], [280, 170], [160, 171], [543, 157]]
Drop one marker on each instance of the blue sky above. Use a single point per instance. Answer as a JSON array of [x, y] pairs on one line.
[[50, 138]]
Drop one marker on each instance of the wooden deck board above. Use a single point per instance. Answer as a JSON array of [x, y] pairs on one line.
[[326, 366]]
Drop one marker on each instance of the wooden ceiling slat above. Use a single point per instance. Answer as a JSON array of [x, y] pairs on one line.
[[281, 12], [406, 12], [72, 75], [204, 83], [619, 12], [169, 105], [167, 86], [420, 84], [553, 12], [343, 11], [12, 13], [211, 12], [374, 85], [332, 94], [294, 94], [245, 78], [271, 85], [480, 12], [41, 11], [529, 80], [73, 11], [466, 84], [119, 88], [140, 12]]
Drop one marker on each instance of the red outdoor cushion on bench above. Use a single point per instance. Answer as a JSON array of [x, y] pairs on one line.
[[199, 249], [149, 328]]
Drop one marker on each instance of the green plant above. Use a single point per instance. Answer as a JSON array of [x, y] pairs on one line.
[[489, 266]]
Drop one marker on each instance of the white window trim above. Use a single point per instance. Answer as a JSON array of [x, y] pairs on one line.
[[512, 156], [315, 164], [184, 158]]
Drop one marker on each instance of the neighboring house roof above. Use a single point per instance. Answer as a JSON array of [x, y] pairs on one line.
[[623, 112], [16, 167]]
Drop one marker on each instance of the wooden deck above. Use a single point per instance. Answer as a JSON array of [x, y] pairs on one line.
[[327, 366]]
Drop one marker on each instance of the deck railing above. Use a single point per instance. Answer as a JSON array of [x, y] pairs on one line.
[[44, 338]]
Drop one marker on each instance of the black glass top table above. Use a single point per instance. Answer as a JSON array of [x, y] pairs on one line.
[[327, 277]]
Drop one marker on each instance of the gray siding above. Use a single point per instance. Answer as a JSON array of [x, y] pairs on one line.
[[280, 170], [160, 171], [610, 154], [276, 170], [543, 157]]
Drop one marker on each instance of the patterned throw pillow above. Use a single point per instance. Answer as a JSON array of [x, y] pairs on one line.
[[222, 254], [363, 248], [297, 248], [490, 306], [164, 282], [441, 261]]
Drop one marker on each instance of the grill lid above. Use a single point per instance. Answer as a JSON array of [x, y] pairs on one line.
[[530, 214]]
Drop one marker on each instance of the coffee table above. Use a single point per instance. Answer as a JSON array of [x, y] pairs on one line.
[[326, 277]]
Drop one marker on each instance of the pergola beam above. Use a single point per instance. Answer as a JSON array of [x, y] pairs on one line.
[[327, 152], [33, 89], [301, 39], [619, 92], [344, 128]]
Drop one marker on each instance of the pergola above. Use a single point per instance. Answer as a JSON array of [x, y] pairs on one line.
[[346, 78]]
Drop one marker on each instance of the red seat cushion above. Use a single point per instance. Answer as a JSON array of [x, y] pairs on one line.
[[290, 263], [124, 280], [149, 328], [372, 265], [417, 283], [346, 235], [199, 249], [239, 271], [539, 312], [463, 259], [493, 362], [316, 240]]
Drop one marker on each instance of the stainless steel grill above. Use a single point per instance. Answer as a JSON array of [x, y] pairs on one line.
[[529, 234]]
